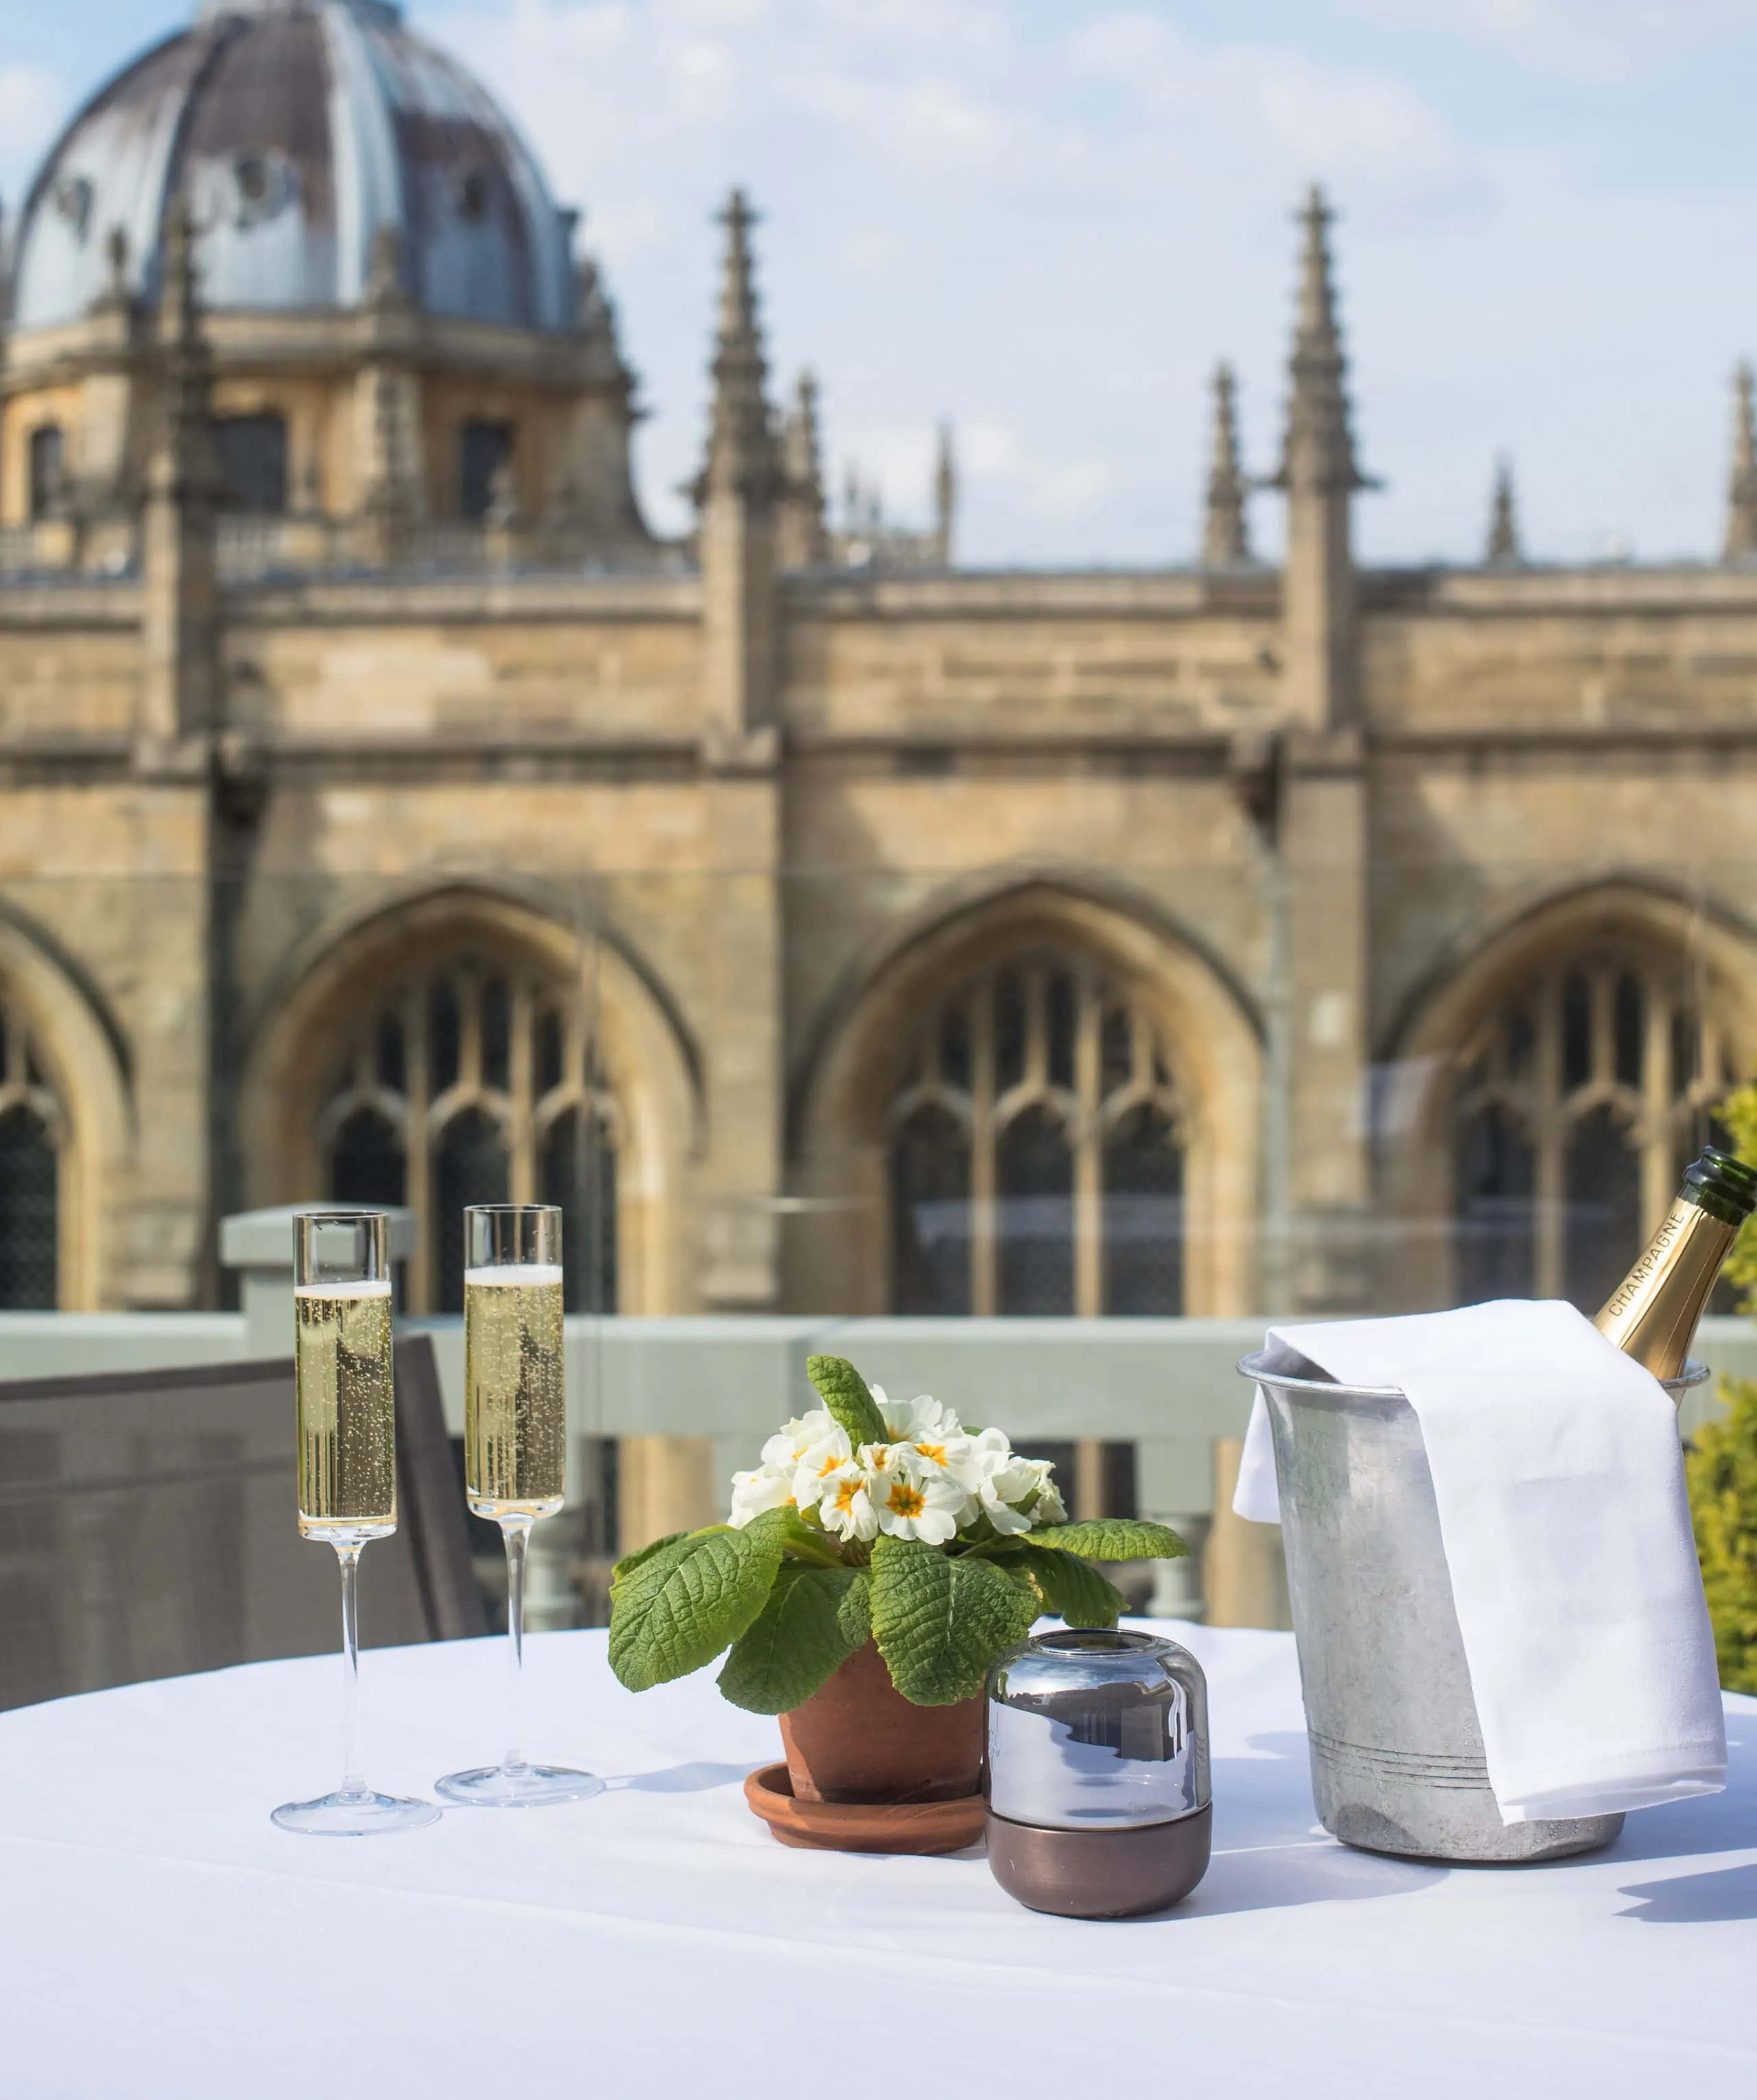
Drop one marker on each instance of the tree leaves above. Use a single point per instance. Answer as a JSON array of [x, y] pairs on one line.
[[675, 1607], [844, 1392], [1072, 1590], [814, 1620], [940, 1621], [1113, 1538]]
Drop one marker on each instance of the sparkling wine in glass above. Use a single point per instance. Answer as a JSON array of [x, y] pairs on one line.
[[347, 1468], [515, 1450]]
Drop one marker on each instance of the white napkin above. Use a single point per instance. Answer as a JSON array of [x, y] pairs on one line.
[[1560, 1482]]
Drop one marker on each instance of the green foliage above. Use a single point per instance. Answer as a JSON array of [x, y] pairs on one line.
[[844, 1392], [1113, 1538], [1721, 1466], [787, 1603], [1738, 1112], [1072, 1590], [1721, 1469], [941, 1621], [814, 1620], [674, 1607]]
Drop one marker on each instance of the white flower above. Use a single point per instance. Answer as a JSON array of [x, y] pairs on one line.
[[1048, 1508], [912, 1500], [1006, 1483], [790, 1443], [845, 1505], [820, 1463], [911, 1420], [763, 1488]]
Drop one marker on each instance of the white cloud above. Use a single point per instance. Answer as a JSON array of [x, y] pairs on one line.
[[1592, 40]]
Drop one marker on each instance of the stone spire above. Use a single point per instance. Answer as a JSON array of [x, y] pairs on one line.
[[1503, 549], [800, 542], [1225, 535], [945, 497], [1319, 476], [737, 495], [743, 457], [1740, 544], [180, 589]]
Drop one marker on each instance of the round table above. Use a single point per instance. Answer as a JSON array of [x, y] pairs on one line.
[[159, 1938]]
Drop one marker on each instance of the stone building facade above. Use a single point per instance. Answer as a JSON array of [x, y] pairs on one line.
[[387, 812]]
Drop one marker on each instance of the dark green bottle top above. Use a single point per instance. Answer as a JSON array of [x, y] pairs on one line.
[[1722, 1186]]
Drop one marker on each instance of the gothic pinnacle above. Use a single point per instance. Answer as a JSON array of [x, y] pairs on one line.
[[741, 453], [945, 496], [1502, 549], [1225, 535], [803, 543], [1740, 544], [1319, 450]]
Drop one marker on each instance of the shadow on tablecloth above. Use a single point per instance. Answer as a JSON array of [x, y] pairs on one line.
[[1725, 1896]]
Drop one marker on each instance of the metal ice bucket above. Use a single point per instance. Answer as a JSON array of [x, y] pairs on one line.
[[1396, 1752]]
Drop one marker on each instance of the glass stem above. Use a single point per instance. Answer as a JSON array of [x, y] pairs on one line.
[[518, 1535], [353, 1779]]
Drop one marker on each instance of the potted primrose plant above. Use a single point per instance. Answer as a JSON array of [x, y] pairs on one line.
[[876, 1565]]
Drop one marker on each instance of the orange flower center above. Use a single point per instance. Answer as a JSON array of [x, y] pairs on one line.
[[904, 1500]]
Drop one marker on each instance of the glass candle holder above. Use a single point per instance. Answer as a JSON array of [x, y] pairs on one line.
[[1098, 1796]]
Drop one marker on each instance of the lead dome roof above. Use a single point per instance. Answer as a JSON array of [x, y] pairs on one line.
[[298, 128]]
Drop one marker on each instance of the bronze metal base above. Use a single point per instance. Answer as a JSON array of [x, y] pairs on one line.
[[1100, 1873]]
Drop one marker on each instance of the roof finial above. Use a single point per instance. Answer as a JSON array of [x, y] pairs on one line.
[[1741, 541], [1503, 549], [945, 497], [1319, 450], [742, 454], [1225, 535], [802, 542]]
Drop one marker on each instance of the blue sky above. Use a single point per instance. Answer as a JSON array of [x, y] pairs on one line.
[[1045, 219]]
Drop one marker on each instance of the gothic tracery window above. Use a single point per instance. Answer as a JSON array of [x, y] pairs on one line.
[[1582, 1100], [474, 1082], [1037, 1152], [31, 1129]]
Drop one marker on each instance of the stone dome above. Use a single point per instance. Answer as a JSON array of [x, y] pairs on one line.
[[298, 129]]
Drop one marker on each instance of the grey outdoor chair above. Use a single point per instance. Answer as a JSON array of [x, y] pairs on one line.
[[149, 1529]]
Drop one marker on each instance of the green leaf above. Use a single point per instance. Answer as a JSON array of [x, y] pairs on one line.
[[940, 1622], [844, 1392], [814, 1620], [1113, 1538], [629, 1562], [676, 1609], [1073, 1590]]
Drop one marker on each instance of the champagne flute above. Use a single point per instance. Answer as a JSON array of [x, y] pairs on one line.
[[347, 1469], [515, 1450]]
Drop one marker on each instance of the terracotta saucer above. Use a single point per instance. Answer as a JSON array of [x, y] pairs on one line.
[[853, 1826]]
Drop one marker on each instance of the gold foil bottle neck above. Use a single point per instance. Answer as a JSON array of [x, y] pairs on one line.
[[1653, 1313]]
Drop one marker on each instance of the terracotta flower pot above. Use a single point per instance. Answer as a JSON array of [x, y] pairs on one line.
[[858, 1740]]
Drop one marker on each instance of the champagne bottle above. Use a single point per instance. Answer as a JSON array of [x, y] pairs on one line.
[[1651, 1314]]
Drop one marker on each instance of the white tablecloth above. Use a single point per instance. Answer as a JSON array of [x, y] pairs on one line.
[[160, 1937]]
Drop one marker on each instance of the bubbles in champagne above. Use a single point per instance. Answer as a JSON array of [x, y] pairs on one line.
[[347, 1421], [515, 1441]]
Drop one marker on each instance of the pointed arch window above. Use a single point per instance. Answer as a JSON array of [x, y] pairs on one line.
[[1582, 1098], [1037, 1151], [31, 1127], [475, 1083]]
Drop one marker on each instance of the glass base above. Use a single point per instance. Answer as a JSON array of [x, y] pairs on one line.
[[362, 1813], [517, 1786]]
